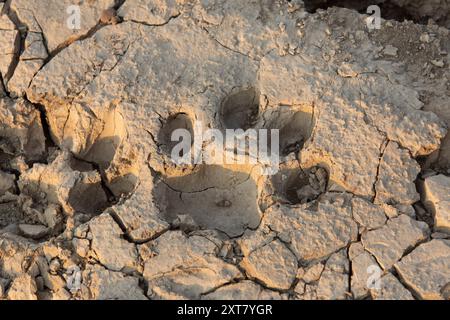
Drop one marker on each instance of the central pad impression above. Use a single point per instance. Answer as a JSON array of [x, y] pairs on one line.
[[214, 197]]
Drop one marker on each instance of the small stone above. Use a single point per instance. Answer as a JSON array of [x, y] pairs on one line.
[[81, 231], [33, 231], [293, 7], [19, 164], [52, 215], [425, 38], [54, 266], [186, 223], [81, 246], [109, 16], [438, 63], [390, 50], [390, 211], [440, 235], [346, 71], [53, 282]]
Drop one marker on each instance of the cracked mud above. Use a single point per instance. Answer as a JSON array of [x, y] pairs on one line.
[[93, 207]]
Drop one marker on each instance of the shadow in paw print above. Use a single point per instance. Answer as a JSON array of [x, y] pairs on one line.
[[107, 144], [240, 110], [295, 132], [295, 125], [174, 122], [7, 153], [214, 197], [88, 198]]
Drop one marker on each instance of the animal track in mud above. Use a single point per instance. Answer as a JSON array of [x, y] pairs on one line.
[[89, 198], [227, 197], [240, 110], [295, 127], [174, 122], [215, 197], [299, 186]]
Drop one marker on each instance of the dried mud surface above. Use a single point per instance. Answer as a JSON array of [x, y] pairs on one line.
[[92, 207]]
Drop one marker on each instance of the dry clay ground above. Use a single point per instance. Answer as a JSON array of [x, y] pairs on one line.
[[91, 206]]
